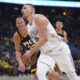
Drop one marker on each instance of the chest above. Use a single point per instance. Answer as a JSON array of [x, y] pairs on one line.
[[32, 30], [28, 42]]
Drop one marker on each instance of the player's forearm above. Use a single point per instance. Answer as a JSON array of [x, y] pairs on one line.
[[18, 57], [40, 43]]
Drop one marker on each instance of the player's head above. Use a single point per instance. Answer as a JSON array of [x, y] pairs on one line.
[[20, 23], [27, 10], [59, 24]]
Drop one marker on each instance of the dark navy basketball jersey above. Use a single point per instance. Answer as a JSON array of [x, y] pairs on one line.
[[61, 34], [27, 41]]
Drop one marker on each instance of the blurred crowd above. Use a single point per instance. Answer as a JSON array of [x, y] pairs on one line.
[[8, 14]]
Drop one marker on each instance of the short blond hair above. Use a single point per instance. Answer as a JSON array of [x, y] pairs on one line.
[[32, 7]]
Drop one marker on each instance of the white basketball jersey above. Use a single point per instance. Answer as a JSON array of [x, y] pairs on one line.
[[53, 39]]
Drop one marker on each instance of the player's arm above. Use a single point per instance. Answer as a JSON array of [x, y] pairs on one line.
[[16, 40], [65, 39], [41, 24]]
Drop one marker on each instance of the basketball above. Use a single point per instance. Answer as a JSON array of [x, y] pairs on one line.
[[32, 60]]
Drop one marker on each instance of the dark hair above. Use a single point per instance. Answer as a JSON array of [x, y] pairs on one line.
[[23, 19], [58, 18]]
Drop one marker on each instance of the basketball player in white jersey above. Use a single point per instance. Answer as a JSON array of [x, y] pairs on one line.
[[53, 49]]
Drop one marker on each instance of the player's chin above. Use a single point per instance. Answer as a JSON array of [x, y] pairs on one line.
[[24, 17]]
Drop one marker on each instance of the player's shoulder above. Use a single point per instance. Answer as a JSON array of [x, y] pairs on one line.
[[64, 32], [39, 15], [41, 18], [15, 36]]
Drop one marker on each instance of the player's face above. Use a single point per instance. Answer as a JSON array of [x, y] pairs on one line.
[[20, 23], [26, 9], [59, 25]]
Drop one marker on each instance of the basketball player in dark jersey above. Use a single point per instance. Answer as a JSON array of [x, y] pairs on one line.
[[21, 38]]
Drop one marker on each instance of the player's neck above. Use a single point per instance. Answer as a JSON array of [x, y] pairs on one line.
[[23, 32], [31, 18], [59, 30]]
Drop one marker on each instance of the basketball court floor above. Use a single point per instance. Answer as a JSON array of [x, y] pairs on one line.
[[24, 77]]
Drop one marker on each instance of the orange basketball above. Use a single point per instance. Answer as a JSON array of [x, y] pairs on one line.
[[32, 60]]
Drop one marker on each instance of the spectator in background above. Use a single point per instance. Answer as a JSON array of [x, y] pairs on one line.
[[6, 67]]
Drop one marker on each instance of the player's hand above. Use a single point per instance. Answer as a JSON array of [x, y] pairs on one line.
[[21, 67], [26, 56]]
